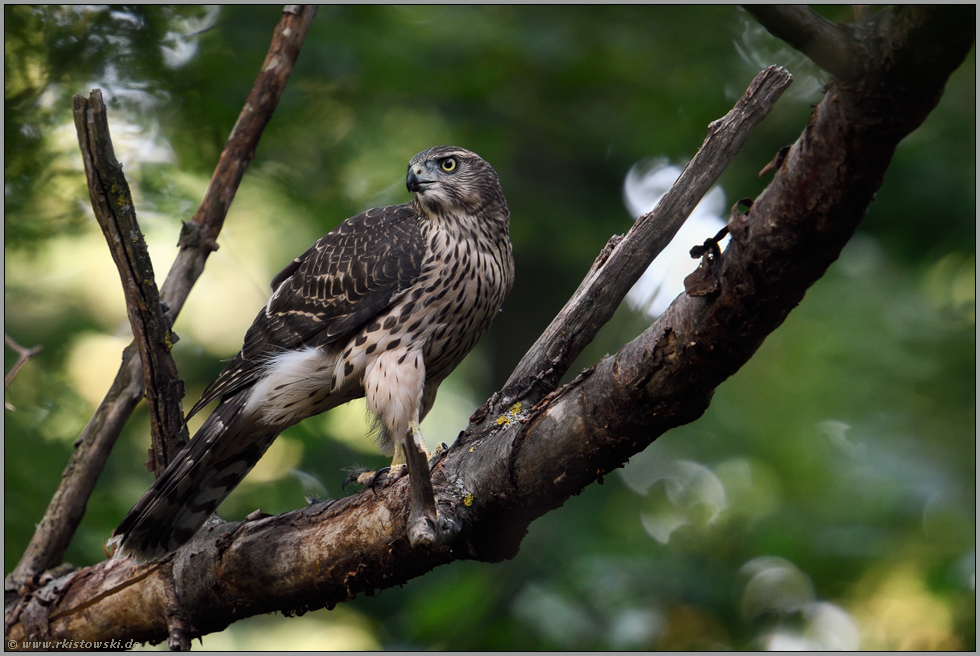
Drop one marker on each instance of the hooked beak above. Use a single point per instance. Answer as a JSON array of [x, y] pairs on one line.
[[415, 180]]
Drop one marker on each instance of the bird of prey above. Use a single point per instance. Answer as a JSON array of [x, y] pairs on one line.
[[383, 306]]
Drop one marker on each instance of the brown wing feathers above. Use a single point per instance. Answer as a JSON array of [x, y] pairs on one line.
[[333, 289], [346, 278]]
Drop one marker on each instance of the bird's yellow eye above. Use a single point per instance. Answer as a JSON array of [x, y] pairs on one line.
[[448, 165]]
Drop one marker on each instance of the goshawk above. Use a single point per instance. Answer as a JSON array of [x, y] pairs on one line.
[[383, 306]]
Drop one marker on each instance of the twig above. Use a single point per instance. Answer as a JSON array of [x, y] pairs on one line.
[[112, 204], [23, 355], [197, 240], [67, 506], [615, 272], [827, 44]]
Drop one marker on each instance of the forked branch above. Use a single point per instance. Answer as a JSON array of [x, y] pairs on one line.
[[23, 355]]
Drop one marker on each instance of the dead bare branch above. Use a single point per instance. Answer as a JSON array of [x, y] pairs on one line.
[[112, 204], [197, 240], [624, 261]]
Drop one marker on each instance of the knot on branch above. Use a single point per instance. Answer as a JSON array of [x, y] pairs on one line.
[[193, 236]]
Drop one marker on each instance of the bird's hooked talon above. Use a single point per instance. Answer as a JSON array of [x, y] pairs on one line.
[[353, 477], [378, 478], [366, 478], [393, 473]]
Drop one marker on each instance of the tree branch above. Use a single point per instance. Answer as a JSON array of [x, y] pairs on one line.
[[23, 355], [526, 461], [827, 44], [112, 204], [197, 239], [67, 506], [625, 259]]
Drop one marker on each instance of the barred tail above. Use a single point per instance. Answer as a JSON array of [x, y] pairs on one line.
[[192, 487]]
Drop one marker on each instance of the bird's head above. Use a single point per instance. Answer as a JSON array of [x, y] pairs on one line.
[[449, 179]]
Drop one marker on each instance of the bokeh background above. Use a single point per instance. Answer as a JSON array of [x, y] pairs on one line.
[[826, 499]]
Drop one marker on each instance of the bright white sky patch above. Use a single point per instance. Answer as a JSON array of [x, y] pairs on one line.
[[663, 281]]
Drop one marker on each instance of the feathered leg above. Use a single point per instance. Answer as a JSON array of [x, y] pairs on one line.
[[396, 395]]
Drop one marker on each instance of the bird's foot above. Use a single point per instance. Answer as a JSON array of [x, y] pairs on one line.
[[393, 473], [374, 479]]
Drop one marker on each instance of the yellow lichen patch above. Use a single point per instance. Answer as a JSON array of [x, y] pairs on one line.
[[468, 500], [512, 414]]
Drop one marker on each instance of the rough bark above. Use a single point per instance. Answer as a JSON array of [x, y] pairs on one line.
[[112, 203], [517, 462]]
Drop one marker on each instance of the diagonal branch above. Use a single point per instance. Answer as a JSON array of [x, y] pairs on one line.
[[197, 239], [112, 204], [827, 44], [625, 259], [67, 506]]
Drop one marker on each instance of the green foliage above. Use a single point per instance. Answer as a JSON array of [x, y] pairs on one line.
[[830, 484]]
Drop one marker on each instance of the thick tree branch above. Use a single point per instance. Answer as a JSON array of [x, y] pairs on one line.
[[828, 45], [112, 204], [519, 464], [64, 513]]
